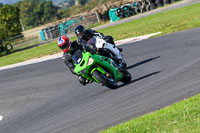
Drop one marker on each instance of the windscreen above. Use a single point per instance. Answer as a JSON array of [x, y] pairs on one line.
[[77, 57]]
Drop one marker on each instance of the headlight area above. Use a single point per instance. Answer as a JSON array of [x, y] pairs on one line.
[[83, 71], [90, 61]]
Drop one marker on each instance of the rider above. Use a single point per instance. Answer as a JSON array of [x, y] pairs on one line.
[[84, 35], [69, 48]]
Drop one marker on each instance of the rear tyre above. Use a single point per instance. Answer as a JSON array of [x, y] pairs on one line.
[[107, 81], [138, 10], [152, 6], [126, 77], [166, 1], [160, 5], [8, 47], [119, 12]]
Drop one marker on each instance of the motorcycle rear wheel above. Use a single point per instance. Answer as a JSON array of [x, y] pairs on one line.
[[107, 81]]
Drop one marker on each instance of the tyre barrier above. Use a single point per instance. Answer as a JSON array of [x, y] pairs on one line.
[[152, 6], [139, 4], [138, 10], [125, 11], [147, 3], [104, 16], [119, 12], [152, 1], [158, 1], [132, 11], [166, 2], [147, 8], [137, 7], [160, 4], [172, 1]]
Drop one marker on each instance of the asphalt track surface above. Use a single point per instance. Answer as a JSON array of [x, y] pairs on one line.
[[46, 98]]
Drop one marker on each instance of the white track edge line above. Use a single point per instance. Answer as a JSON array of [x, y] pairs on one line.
[[1, 118], [59, 55]]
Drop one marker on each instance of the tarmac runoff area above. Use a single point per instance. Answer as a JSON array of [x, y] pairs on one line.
[[59, 55]]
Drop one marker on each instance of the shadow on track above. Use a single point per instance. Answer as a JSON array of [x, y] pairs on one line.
[[143, 77], [142, 62], [138, 79]]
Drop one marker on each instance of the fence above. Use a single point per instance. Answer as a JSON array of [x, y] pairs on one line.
[[50, 32], [68, 26], [121, 9]]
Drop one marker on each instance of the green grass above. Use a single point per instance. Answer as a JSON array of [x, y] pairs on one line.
[[166, 22], [47, 49], [182, 117], [39, 51]]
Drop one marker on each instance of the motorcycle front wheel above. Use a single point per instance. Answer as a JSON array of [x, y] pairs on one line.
[[105, 80], [126, 77]]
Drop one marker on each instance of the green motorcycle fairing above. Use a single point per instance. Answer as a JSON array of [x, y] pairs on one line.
[[86, 64]]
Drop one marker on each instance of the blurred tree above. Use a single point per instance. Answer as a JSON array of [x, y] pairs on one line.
[[62, 13], [9, 21], [34, 13], [26, 13], [37, 12], [49, 11], [82, 2], [3, 34]]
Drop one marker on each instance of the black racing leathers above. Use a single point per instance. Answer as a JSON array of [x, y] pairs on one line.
[[67, 57], [90, 33]]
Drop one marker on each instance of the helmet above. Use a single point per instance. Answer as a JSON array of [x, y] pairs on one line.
[[64, 43], [79, 31]]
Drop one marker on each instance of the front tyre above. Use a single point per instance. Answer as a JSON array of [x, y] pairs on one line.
[[126, 77], [105, 80]]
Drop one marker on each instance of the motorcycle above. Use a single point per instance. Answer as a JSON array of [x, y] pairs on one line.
[[98, 68]]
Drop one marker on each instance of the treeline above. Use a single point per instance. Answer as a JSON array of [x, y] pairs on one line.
[[25, 14], [9, 21], [28, 14], [84, 6], [36, 12]]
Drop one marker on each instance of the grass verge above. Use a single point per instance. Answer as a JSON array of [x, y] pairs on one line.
[[166, 22], [182, 117], [39, 51], [36, 52]]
